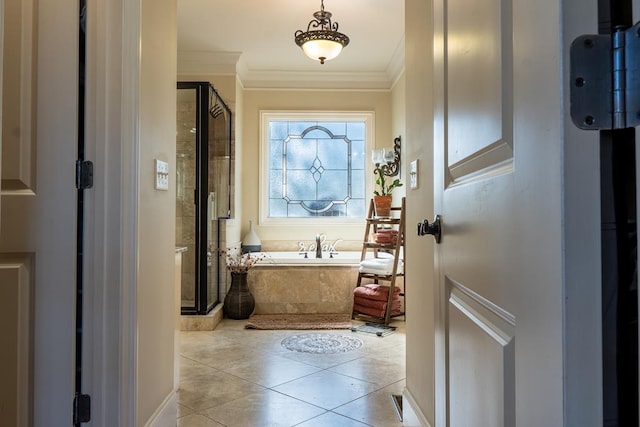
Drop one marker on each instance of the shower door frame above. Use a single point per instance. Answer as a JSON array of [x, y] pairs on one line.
[[204, 93]]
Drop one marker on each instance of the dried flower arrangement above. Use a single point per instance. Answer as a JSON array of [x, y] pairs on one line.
[[241, 263]]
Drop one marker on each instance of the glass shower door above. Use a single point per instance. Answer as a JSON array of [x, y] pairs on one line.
[[203, 145], [186, 143], [218, 153]]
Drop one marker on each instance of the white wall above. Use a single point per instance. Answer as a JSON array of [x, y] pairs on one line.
[[419, 265], [225, 85], [399, 128], [234, 225], [156, 210]]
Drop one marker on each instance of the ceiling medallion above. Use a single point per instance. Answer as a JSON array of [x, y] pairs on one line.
[[321, 41]]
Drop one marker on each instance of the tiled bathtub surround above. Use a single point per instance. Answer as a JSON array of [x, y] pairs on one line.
[[304, 289]]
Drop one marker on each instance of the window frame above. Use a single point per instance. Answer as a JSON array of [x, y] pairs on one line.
[[266, 116]]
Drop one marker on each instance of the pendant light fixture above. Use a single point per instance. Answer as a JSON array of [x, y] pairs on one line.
[[321, 41]]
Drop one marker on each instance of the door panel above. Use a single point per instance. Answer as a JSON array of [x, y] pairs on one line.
[[481, 361], [478, 58], [478, 143], [37, 229], [16, 318], [497, 179], [18, 119], [17, 184]]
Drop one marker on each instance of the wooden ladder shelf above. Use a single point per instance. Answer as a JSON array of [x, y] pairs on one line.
[[372, 249]]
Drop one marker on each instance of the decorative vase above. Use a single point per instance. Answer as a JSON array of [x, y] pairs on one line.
[[251, 242], [382, 205], [239, 302]]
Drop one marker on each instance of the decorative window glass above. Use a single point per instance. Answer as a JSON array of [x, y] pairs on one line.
[[316, 167]]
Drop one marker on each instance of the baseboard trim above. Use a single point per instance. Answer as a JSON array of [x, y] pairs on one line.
[[166, 414], [412, 416]]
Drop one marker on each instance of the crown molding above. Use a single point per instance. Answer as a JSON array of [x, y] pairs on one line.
[[231, 63], [314, 80], [207, 62], [396, 64]]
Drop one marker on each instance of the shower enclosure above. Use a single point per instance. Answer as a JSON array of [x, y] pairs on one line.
[[203, 192]]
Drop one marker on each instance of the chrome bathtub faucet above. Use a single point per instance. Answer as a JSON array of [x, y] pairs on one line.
[[319, 245]]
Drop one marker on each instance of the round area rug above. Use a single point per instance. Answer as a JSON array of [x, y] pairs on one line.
[[321, 343]]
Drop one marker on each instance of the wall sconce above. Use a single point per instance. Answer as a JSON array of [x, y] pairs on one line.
[[388, 160]]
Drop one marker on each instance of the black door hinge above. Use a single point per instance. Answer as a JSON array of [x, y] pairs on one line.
[[84, 174], [605, 80], [81, 409]]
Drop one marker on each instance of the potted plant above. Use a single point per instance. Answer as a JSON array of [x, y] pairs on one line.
[[239, 302], [382, 197]]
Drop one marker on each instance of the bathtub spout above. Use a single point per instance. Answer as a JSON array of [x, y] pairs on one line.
[[318, 246]]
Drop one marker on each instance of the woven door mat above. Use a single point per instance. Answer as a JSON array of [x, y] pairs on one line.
[[299, 321]]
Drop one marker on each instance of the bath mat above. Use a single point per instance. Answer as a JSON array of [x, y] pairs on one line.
[[299, 321], [321, 343], [375, 328]]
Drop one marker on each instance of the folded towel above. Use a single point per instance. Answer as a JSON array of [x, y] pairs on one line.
[[384, 255], [379, 260], [380, 289], [374, 311], [388, 231], [376, 288], [379, 266], [374, 291], [380, 305], [377, 263], [385, 237]]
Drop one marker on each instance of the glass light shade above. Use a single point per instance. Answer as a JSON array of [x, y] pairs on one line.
[[388, 155], [377, 156], [326, 49]]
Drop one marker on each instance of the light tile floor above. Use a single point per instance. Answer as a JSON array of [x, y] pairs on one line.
[[244, 378]]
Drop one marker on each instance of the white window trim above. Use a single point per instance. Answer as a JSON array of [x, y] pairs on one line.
[[368, 117]]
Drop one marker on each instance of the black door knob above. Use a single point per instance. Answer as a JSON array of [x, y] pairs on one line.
[[435, 228]]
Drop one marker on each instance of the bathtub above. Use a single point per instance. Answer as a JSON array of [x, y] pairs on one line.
[[287, 282], [347, 258]]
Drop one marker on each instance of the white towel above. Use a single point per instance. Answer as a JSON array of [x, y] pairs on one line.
[[376, 263], [384, 255], [379, 266]]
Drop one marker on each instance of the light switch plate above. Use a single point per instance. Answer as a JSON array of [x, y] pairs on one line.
[[162, 175], [413, 174]]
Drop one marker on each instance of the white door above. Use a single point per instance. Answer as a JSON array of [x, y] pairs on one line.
[[498, 164], [38, 210]]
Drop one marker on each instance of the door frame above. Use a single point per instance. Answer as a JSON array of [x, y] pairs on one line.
[[112, 143], [583, 331], [582, 294]]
